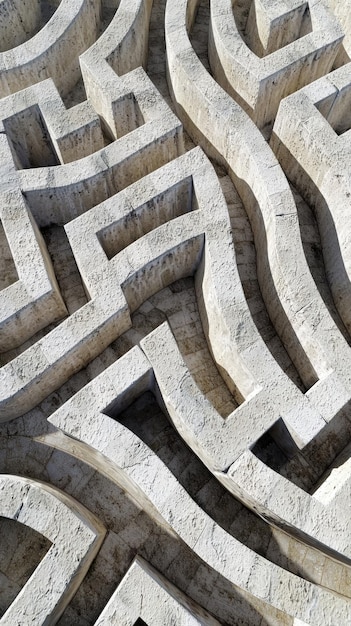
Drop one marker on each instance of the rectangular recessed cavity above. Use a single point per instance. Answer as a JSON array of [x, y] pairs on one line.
[[267, 27], [162, 208], [336, 109], [178, 262], [127, 114], [30, 140]]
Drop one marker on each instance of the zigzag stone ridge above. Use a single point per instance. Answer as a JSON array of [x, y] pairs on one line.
[[175, 327]]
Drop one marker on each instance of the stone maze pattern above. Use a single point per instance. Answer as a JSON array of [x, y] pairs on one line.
[[175, 312]]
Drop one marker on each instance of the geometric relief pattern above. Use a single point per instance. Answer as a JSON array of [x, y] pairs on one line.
[[175, 363], [108, 394]]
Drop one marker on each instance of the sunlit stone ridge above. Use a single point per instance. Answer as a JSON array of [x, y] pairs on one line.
[[175, 312]]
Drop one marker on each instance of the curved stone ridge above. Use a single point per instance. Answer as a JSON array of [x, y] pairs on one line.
[[153, 599], [206, 539], [76, 537], [34, 300], [19, 20], [267, 197], [54, 50], [175, 312], [317, 159], [296, 59]]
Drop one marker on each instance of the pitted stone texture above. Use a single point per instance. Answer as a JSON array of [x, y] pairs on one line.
[[312, 140], [135, 240], [258, 84], [103, 173], [144, 469], [20, 553], [283, 272], [53, 51], [145, 595], [34, 300], [76, 536], [18, 21]]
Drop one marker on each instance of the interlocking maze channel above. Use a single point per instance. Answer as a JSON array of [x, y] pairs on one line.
[[175, 395]]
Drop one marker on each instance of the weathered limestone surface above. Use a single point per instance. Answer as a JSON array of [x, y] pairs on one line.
[[19, 21], [311, 139], [290, 55], [53, 52], [207, 539], [175, 363], [144, 594], [76, 536]]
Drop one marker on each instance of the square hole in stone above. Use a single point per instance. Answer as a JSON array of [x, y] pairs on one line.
[[336, 109], [30, 140], [127, 115]]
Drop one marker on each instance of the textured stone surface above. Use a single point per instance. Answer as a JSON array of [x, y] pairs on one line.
[[175, 322]]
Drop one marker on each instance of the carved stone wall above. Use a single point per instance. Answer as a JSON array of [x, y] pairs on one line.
[[175, 325]]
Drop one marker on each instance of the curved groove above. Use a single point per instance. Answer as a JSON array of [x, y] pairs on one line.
[[54, 51], [124, 43], [307, 330], [313, 249], [120, 50], [311, 139], [119, 287], [342, 12], [259, 84], [103, 211], [16, 571], [19, 21], [84, 335], [145, 418], [76, 536], [57, 194], [271, 27], [216, 443]]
